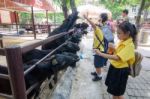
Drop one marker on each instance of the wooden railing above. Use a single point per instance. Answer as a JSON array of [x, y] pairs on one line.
[[16, 72]]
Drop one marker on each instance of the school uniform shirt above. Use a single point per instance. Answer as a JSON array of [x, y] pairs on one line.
[[96, 42], [125, 51]]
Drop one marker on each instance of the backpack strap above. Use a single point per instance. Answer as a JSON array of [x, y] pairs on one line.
[[100, 42]]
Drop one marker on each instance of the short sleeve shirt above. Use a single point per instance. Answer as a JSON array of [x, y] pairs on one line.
[[125, 51], [96, 42]]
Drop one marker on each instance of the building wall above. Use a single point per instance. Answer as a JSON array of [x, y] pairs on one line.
[[8, 17], [133, 11]]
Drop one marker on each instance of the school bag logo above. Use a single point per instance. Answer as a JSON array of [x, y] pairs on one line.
[[137, 66]]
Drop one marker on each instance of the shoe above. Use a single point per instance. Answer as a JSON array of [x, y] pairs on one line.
[[96, 78], [94, 73]]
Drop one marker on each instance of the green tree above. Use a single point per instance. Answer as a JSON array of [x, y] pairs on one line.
[[24, 17], [73, 6], [139, 14], [114, 7], [120, 4], [117, 6], [66, 5]]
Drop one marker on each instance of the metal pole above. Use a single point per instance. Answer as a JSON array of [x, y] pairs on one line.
[[16, 21], [16, 72], [47, 16], [1, 40], [55, 19], [48, 27], [33, 25]]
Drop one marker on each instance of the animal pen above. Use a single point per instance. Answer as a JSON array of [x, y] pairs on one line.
[[16, 73]]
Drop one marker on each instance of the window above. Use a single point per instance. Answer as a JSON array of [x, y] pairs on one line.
[[134, 9]]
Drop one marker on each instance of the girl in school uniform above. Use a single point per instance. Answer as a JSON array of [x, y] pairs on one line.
[[123, 55]]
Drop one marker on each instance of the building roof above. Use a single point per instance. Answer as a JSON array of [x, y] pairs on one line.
[[11, 6], [25, 5], [41, 4]]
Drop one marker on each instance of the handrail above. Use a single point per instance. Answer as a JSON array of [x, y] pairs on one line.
[[14, 66], [27, 48], [4, 76], [31, 88], [30, 24], [33, 66], [6, 96]]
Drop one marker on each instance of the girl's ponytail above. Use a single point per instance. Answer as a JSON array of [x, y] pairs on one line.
[[128, 27], [133, 33]]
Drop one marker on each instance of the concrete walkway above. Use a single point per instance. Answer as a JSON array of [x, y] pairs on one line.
[[83, 86]]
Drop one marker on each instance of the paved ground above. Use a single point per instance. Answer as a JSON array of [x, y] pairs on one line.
[[84, 88]]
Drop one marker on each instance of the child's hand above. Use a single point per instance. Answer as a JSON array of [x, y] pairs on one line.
[[97, 51]]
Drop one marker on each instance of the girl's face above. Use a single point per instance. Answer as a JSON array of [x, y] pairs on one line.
[[121, 35]]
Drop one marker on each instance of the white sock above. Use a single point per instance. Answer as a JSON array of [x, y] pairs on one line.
[[99, 75]]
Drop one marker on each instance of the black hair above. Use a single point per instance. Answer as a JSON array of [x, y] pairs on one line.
[[125, 11], [104, 17], [128, 27]]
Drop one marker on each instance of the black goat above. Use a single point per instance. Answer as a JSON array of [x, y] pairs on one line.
[[67, 25], [30, 79], [82, 26], [69, 47], [34, 54]]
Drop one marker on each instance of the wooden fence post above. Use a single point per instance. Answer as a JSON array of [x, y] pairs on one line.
[[16, 72]]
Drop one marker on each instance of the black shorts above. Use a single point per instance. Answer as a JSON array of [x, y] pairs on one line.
[[99, 61], [116, 80]]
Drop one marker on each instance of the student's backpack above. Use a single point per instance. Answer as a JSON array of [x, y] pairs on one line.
[[137, 66], [108, 33], [104, 43]]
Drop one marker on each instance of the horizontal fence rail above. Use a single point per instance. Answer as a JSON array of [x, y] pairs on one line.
[[6, 96], [33, 66], [27, 48]]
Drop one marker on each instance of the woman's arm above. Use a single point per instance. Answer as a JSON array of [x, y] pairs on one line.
[[113, 57], [92, 24]]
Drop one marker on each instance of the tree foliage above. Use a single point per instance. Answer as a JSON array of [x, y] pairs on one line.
[[70, 4], [59, 3], [116, 6], [24, 17]]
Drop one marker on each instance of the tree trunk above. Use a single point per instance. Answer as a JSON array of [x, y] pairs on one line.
[[139, 14], [65, 9], [120, 1], [145, 15], [138, 19], [73, 6]]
